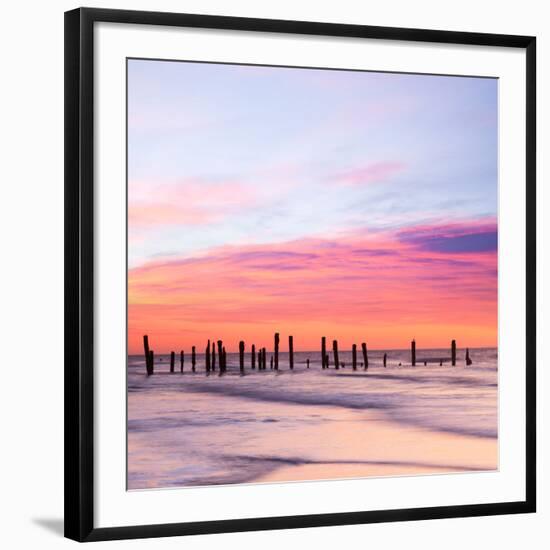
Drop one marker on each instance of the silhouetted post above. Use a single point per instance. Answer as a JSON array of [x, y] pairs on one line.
[[207, 356], [365, 355], [291, 352], [413, 353], [307, 361], [468, 360], [182, 359], [151, 361], [327, 361], [224, 354], [385, 359], [193, 358], [271, 361], [220, 355], [441, 362], [264, 360], [323, 351], [276, 351], [146, 352], [335, 351], [172, 361], [453, 353], [253, 357], [354, 356], [213, 356], [241, 356]]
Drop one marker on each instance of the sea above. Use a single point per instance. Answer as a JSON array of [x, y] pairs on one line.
[[306, 424]]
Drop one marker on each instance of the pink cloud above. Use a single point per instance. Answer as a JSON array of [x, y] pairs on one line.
[[188, 202], [373, 173]]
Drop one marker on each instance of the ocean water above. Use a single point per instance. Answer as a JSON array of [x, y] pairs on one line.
[[196, 429]]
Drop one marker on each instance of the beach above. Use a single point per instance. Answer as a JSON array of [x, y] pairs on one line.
[[194, 429]]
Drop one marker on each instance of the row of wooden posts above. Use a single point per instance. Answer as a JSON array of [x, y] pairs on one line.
[[210, 356]]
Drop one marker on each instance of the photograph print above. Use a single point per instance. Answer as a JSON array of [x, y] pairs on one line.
[[312, 274]]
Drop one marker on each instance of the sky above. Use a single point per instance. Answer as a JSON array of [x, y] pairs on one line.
[[359, 206]]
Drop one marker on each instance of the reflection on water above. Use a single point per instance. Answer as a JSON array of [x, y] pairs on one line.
[[192, 429]]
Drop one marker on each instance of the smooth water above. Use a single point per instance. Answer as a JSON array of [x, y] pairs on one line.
[[197, 429]]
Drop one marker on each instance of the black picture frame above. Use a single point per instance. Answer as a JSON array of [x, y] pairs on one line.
[[79, 273]]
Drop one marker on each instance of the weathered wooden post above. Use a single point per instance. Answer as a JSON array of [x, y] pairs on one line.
[[468, 360], [146, 352], [213, 356], [365, 355], [413, 353], [241, 356], [291, 352], [335, 351], [271, 362], [220, 355], [441, 362], [151, 362], [385, 359], [323, 351], [253, 357], [224, 359], [265, 359], [172, 361], [327, 361], [307, 361], [453, 353], [193, 358], [276, 351], [182, 359], [207, 356], [354, 356]]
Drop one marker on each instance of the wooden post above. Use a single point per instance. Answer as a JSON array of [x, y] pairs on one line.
[[327, 361], [213, 356], [253, 357], [323, 351], [354, 356], [151, 362], [207, 356], [224, 359], [220, 355], [271, 361], [385, 359], [413, 353], [365, 355], [291, 352], [307, 360], [453, 353], [146, 352], [335, 351], [172, 361], [193, 359], [468, 360], [276, 351], [265, 359], [182, 358], [241, 356]]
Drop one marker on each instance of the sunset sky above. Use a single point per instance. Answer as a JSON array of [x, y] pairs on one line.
[[352, 205]]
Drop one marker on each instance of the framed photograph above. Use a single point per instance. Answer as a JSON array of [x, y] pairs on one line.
[[300, 274]]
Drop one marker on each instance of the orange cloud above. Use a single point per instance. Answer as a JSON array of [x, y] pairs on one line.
[[383, 288]]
